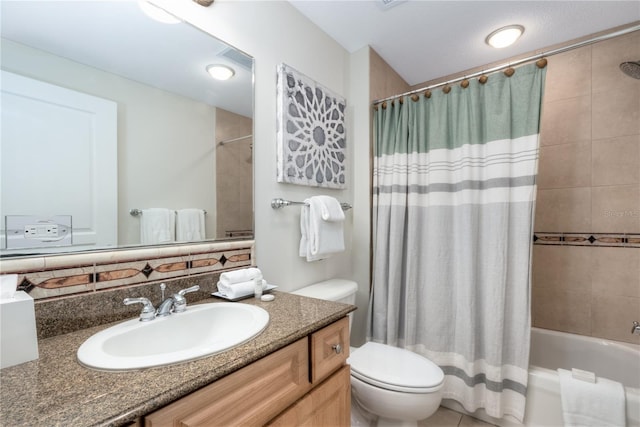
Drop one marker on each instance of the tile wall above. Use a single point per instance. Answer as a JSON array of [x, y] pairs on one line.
[[55, 276], [234, 176], [586, 258]]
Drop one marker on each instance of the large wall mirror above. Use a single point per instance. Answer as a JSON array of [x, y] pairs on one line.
[[109, 115]]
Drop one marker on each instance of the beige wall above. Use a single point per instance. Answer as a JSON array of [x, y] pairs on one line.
[[589, 183], [384, 80], [234, 174]]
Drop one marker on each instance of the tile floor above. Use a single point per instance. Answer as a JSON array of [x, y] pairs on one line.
[[448, 418]]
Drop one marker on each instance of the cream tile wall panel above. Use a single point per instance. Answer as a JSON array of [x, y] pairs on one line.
[[616, 113], [616, 161], [607, 57], [562, 268], [616, 271], [613, 317], [566, 210], [550, 310], [565, 165], [568, 75], [616, 209], [567, 120]]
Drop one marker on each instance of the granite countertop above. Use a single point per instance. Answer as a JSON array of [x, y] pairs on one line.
[[56, 390]]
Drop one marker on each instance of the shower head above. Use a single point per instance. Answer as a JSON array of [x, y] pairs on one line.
[[631, 69]]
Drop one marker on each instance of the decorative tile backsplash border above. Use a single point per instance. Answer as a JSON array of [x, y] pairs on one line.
[[622, 240], [59, 275]]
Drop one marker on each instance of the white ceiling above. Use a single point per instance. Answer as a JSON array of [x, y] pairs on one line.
[[117, 37], [423, 40]]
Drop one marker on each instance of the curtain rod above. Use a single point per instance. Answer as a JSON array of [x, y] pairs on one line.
[[240, 138], [517, 62]]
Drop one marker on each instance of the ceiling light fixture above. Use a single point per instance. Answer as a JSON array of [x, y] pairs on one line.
[[220, 72], [156, 13], [505, 36]]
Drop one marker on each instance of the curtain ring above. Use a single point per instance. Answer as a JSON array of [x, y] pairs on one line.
[[483, 79], [427, 94], [401, 100], [509, 72], [464, 83], [415, 97], [541, 63], [446, 89], [384, 105]]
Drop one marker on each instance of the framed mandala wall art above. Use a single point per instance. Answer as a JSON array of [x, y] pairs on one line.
[[311, 134]]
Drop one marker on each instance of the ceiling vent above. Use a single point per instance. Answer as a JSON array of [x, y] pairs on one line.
[[238, 57], [388, 4]]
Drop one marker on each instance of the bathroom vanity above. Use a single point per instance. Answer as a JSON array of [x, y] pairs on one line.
[[293, 373], [257, 393]]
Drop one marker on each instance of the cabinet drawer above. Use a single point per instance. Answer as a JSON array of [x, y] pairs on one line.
[[329, 349], [248, 397], [328, 404]]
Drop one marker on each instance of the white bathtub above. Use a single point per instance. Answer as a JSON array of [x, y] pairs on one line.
[[551, 350]]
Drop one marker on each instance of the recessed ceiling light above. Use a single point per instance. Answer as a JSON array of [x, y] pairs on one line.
[[505, 36], [156, 13], [220, 72]]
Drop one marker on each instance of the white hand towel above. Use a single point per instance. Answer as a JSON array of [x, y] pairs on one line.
[[591, 404], [323, 238], [330, 208], [157, 225], [190, 225], [239, 289], [238, 276]]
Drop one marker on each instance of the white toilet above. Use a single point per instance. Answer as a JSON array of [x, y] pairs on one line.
[[394, 385]]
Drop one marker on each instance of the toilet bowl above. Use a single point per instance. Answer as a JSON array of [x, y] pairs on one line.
[[391, 385]]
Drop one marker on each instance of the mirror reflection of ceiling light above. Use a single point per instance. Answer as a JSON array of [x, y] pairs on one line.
[[220, 72], [505, 36], [156, 13]]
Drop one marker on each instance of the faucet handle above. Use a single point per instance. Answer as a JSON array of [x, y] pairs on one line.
[[188, 290], [180, 302], [635, 329], [148, 311]]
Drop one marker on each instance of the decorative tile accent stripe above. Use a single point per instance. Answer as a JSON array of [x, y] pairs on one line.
[[613, 240], [83, 273]]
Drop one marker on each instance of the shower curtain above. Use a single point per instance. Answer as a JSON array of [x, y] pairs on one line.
[[454, 191]]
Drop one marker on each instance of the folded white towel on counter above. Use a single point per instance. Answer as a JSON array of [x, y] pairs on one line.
[[238, 276], [320, 238], [157, 225], [239, 289], [190, 225], [591, 404]]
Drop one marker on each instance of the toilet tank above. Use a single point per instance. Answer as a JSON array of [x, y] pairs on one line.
[[339, 290]]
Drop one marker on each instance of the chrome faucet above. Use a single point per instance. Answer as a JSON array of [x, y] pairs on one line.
[[176, 303], [635, 329], [148, 311]]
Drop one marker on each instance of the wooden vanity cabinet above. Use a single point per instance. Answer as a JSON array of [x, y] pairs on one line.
[[305, 383]]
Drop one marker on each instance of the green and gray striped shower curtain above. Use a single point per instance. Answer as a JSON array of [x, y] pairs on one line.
[[454, 191]]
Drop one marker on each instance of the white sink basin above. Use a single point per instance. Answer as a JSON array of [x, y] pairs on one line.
[[200, 331]]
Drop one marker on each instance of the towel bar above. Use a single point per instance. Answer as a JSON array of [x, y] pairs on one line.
[[281, 203], [137, 212]]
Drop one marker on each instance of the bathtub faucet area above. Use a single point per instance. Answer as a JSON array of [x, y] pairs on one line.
[[635, 329]]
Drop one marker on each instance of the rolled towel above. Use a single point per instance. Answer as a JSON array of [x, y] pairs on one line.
[[238, 276], [239, 289]]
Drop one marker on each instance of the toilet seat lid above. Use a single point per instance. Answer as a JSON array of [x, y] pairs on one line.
[[395, 368]]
